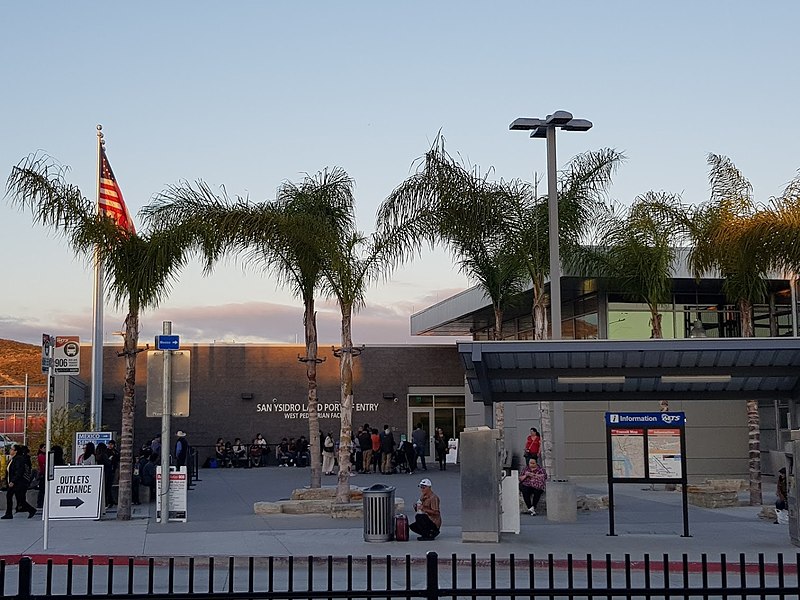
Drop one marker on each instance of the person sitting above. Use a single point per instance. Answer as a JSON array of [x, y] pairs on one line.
[[228, 455], [532, 483], [239, 453], [256, 453], [303, 457], [219, 452], [428, 520], [282, 453]]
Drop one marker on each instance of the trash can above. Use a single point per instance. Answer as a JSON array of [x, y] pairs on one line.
[[379, 513]]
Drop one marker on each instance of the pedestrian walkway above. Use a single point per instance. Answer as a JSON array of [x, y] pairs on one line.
[[221, 522]]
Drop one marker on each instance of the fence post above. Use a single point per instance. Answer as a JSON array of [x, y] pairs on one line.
[[25, 578], [432, 575]]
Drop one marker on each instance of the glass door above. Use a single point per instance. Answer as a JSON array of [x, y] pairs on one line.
[[424, 417]]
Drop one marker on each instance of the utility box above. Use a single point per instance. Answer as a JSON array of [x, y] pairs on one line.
[[479, 448]]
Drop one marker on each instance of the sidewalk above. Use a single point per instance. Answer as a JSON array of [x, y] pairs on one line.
[[222, 523]]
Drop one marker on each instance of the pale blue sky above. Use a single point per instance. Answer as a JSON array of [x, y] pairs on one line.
[[248, 94]]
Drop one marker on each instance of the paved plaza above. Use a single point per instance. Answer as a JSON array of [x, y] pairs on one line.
[[221, 522]]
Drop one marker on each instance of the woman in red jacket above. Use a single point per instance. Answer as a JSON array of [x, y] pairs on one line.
[[533, 444]]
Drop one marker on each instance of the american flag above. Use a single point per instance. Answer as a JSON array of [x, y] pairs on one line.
[[110, 202]]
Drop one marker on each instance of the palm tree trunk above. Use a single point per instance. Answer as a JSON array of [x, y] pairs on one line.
[[539, 311], [310, 321], [500, 407], [128, 405], [753, 418], [346, 409]]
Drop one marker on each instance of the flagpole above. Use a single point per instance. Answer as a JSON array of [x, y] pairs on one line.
[[97, 314]]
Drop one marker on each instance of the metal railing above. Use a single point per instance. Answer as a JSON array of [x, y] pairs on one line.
[[430, 577]]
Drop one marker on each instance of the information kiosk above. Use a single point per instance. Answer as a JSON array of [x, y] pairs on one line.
[[646, 448]]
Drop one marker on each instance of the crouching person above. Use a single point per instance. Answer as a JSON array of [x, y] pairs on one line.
[[428, 520]]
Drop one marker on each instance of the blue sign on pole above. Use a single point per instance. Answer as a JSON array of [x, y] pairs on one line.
[[168, 342]]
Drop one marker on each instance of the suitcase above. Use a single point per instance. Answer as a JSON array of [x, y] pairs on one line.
[[401, 528]]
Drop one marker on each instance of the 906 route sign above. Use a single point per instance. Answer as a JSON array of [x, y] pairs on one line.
[[67, 355]]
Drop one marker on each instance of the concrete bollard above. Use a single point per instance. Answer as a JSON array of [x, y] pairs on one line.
[[562, 502]]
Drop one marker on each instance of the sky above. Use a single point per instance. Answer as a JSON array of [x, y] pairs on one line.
[[247, 95]]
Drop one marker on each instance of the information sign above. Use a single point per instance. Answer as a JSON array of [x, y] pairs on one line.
[[82, 437], [627, 453], [664, 453], [76, 492], [646, 448], [67, 355], [178, 485]]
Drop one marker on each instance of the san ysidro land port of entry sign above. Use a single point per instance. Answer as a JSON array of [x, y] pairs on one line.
[[646, 448]]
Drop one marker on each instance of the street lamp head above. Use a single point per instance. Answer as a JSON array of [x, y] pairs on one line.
[[539, 132], [523, 124], [560, 117], [577, 125]]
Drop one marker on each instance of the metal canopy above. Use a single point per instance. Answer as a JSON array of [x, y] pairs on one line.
[[607, 370]]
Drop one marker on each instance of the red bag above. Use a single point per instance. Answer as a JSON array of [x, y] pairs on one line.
[[401, 528]]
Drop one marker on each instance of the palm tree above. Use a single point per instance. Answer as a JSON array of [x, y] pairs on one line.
[[726, 239], [582, 186], [139, 270], [444, 202], [636, 251], [290, 236], [357, 261]]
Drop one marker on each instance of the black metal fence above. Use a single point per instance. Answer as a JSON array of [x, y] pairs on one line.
[[430, 577]]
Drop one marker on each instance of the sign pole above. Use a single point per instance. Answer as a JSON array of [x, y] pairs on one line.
[[47, 346], [166, 413]]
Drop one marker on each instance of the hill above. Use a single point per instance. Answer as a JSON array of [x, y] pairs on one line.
[[17, 359]]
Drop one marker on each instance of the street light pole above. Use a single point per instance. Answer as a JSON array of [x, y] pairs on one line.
[[546, 128], [552, 230]]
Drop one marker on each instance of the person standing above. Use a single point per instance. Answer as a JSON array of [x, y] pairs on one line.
[[155, 445], [102, 457], [532, 483], [387, 450], [420, 440], [781, 493], [328, 456], [41, 460], [365, 440], [181, 450], [87, 458], [441, 448], [18, 476], [533, 444], [113, 456], [376, 449], [428, 520]]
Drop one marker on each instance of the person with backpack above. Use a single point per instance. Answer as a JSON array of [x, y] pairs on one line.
[[18, 475]]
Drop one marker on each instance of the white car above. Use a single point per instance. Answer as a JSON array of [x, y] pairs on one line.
[[6, 442]]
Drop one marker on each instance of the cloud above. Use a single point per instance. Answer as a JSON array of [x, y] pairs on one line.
[[246, 322]]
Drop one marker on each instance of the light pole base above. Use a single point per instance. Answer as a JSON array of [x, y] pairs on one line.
[[562, 502]]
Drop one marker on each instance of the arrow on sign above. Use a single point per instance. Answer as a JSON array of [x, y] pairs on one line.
[[76, 502]]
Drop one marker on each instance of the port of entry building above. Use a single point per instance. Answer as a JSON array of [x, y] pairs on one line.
[[240, 390], [702, 367], [605, 333]]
